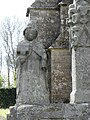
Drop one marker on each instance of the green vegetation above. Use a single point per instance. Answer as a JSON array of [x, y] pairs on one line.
[[1, 81], [7, 97], [4, 112]]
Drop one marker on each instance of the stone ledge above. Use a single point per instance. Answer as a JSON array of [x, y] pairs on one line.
[[44, 8], [54, 111]]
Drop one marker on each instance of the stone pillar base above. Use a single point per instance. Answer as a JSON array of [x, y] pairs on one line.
[[53, 111]]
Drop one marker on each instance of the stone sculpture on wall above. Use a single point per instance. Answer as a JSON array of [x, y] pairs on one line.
[[79, 17], [79, 20], [31, 69]]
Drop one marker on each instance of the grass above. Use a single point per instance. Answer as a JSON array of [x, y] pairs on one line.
[[4, 112]]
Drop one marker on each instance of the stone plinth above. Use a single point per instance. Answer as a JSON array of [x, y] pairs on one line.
[[54, 111], [60, 75]]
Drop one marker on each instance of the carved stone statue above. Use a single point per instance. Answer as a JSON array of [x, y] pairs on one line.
[[79, 17], [31, 69]]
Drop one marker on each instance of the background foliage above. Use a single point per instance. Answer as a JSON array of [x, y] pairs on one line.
[[1, 81], [7, 97]]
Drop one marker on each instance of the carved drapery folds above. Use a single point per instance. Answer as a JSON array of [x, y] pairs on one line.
[[31, 69], [79, 20]]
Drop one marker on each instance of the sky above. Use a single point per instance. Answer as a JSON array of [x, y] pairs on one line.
[[14, 7], [9, 8]]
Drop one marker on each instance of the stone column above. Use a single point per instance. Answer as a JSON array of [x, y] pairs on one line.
[[79, 19], [60, 62]]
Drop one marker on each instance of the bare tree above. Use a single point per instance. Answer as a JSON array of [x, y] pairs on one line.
[[11, 30], [1, 78], [0, 61]]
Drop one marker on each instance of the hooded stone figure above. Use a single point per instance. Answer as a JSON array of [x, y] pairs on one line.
[[31, 69]]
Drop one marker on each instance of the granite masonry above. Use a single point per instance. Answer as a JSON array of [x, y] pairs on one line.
[[53, 62]]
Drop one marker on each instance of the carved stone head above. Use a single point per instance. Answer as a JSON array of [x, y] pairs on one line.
[[30, 32]]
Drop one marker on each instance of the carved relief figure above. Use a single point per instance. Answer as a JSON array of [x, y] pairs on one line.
[[31, 69], [79, 19]]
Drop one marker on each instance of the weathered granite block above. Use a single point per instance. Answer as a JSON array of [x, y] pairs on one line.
[[54, 111], [47, 16], [60, 75], [48, 24]]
